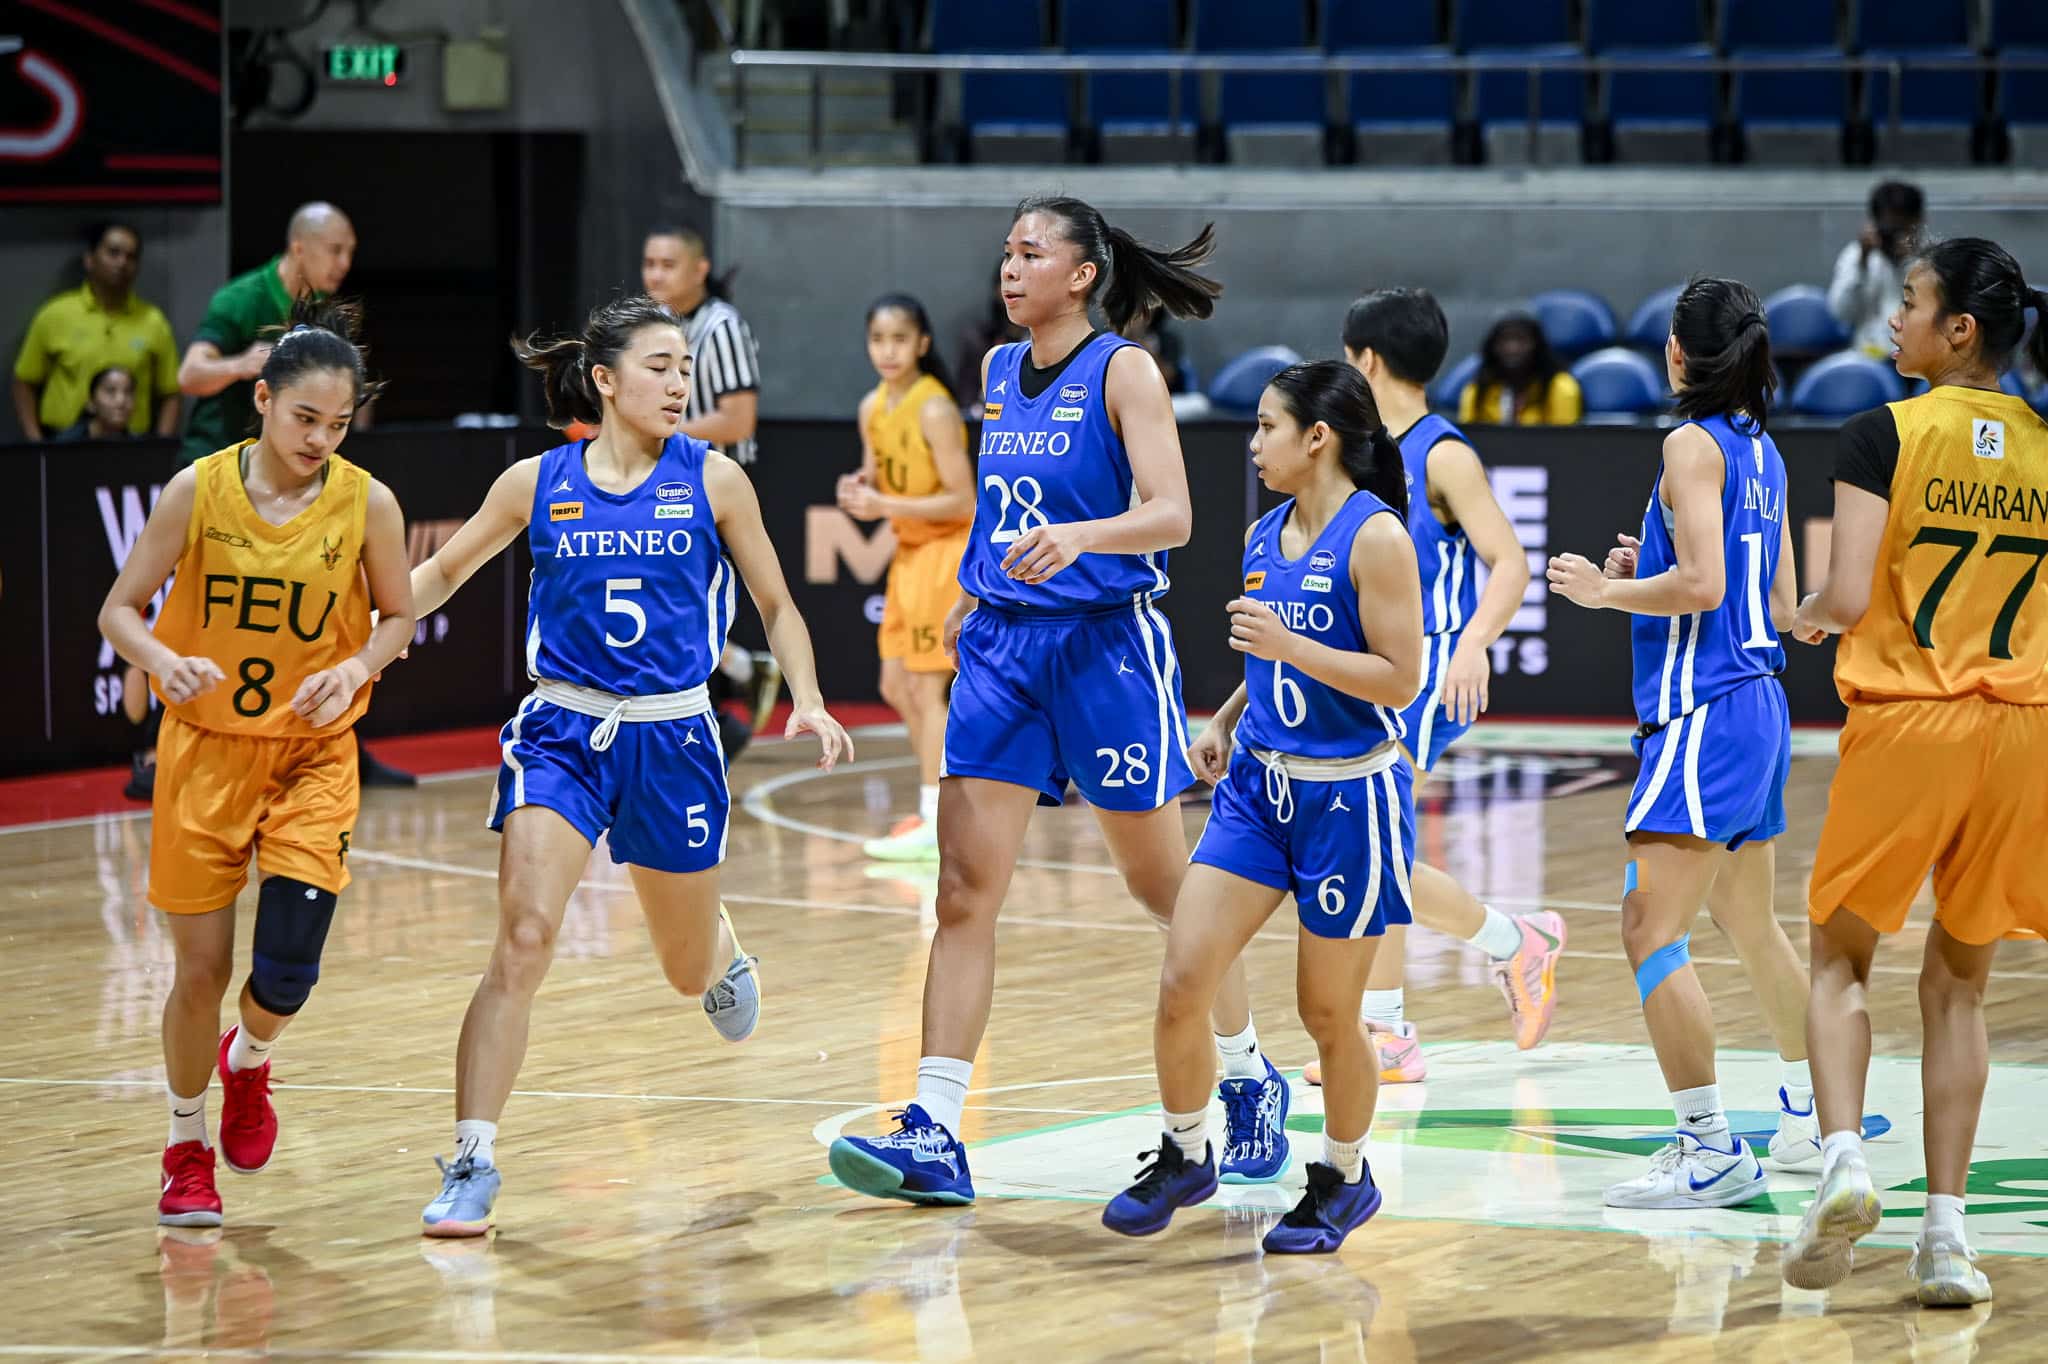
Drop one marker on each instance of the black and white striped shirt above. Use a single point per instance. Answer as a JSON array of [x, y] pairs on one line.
[[725, 362]]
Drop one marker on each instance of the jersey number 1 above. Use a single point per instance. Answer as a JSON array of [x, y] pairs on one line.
[[1963, 542]]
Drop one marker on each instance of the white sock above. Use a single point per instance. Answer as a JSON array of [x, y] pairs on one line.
[[247, 1052], [1835, 1146], [1700, 1115], [1797, 1078], [478, 1139], [188, 1118], [1382, 1006], [1190, 1132], [1944, 1218], [1348, 1157], [928, 804], [942, 1089], [1240, 1053], [1499, 937]]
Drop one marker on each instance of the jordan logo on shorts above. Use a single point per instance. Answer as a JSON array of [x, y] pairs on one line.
[[1337, 803], [1123, 666]]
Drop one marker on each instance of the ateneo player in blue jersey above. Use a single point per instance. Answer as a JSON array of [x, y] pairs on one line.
[[1313, 798], [1709, 584], [636, 535], [1397, 338], [1067, 670]]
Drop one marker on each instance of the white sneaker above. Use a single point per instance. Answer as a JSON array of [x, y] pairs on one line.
[[914, 840], [1844, 1209], [1947, 1273], [1690, 1174], [1796, 1144]]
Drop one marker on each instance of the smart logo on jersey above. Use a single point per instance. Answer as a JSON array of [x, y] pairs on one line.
[[565, 511], [1066, 414], [1322, 561], [675, 513], [1074, 393], [1315, 582], [1987, 438], [672, 492], [1255, 580]]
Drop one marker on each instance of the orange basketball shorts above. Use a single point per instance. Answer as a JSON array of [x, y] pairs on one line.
[[924, 582], [221, 798], [1950, 786]]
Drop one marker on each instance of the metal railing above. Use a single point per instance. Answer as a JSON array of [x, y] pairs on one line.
[[1314, 61]]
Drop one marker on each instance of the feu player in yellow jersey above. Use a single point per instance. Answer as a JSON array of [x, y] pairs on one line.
[[262, 655], [914, 471], [1935, 586]]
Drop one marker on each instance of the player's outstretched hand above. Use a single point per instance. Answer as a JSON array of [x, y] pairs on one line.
[[1621, 560], [190, 677], [1804, 628], [1257, 630], [832, 736], [1573, 577], [326, 694], [1043, 551], [1209, 755]]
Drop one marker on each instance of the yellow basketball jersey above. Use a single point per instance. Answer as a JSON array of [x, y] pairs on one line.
[[1958, 601], [272, 605], [904, 466]]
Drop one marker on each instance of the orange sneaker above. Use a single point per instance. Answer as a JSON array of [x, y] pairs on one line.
[[1528, 980], [1399, 1050]]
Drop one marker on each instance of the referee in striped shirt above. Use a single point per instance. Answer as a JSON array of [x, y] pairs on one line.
[[725, 385]]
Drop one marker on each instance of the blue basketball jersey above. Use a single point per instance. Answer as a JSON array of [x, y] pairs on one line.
[[1450, 578], [631, 593], [1682, 662], [1047, 461], [1287, 710]]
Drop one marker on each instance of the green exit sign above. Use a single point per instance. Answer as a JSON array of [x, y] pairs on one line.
[[375, 63]]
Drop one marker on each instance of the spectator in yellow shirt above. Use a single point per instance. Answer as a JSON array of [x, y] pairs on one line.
[[100, 325], [1520, 382]]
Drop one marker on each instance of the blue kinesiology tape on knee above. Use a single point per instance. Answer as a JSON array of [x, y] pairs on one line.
[[1660, 964], [1628, 877]]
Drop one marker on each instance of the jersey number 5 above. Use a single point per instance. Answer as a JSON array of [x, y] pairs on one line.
[[617, 604], [1964, 542]]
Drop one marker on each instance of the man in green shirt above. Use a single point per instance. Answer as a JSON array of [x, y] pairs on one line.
[[227, 352], [98, 326]]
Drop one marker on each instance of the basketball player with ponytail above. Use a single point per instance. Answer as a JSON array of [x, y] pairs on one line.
[[1067, 671]]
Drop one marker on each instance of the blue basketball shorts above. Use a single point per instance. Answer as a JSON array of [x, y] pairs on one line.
[[659, 790], [1426, 728], [1343, 849], [1044, 700], [1717, 772]]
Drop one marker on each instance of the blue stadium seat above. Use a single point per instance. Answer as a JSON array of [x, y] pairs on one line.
[[1649, 326], [1664, 32], [1801, 323], [1618, 380], [1520, 28], [1130, 101], [1924, 29], [1253, 100], [1785, 29], [2019, 31], [1237, 386], [1844, 384], [1443, 394], [1000, 101], [1574, 321], [1403, 28]]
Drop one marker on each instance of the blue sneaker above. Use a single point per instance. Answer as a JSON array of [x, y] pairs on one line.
[[733, 1003], [464, 1205], [1255, 1129], [1167, 1184], [1328, 1212], [920, 1162]]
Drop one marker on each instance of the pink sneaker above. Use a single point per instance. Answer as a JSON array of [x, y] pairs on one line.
[[1399, 1050], [1528, 979]]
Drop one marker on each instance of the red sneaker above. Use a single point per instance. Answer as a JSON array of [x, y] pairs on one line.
[[189, 1198], [248, 1124]]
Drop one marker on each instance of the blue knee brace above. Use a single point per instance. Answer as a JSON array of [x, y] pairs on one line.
[[292, 919], [1660, 964]]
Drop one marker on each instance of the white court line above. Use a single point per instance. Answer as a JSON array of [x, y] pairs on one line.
[[78, 1350]]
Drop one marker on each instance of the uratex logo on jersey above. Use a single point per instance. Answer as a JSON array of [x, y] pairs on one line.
[[673, 492], [1074, 393], [675, 502], [1322, 561]]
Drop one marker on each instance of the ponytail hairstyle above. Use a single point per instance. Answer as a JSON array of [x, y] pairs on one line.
[[930, 362], [1721, 328], [1335, 394], [1131, 277], [320, 335], [1980, 277], [564, 363]]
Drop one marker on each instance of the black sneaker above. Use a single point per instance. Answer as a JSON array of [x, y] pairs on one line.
[[374, 773], [1329, 1211], [141, 778], [1169, 1183]]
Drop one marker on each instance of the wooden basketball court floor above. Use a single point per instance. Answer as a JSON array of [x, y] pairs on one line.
[[666, 1194]]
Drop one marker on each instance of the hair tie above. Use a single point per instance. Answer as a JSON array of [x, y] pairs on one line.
[[1753, 320]]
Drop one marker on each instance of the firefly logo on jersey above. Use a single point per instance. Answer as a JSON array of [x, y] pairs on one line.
[[1024, 442], [1255, 580], [672, 492], [565, 511], [991, 412], [1074, 393]]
